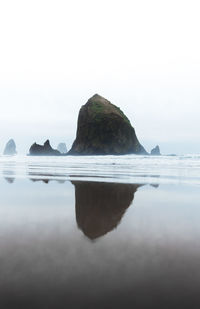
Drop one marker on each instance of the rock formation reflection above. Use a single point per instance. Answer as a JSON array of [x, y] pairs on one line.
[[46, 181], [101, 206], [9, 176], [43, 180], [9, 179]]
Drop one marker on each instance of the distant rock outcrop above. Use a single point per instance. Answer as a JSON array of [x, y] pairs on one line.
[[104, 129], [43, 150], [156, 151], [62, 148], [10, 148]]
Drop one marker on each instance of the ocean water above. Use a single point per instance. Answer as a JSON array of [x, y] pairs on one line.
[[100, 232], [123, 169]]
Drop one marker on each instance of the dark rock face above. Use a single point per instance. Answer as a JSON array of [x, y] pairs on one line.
[[101, 206], [156, 151], [10, 148], [104, 129], [62, 148], [45, 150]]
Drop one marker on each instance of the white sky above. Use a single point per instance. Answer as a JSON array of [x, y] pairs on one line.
[[143, 56]]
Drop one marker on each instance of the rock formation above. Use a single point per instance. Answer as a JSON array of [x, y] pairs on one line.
[[62, 148], [104, 129], [10, 148], [101, 206], [43, 150], [156, 151]]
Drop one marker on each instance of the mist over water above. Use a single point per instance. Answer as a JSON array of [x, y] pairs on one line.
[[100, 232]]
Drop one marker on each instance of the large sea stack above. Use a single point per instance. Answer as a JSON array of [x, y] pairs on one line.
[[10, 148], [43, 150], [103, 129]]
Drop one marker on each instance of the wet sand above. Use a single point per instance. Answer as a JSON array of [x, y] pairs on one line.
[[87, 244]]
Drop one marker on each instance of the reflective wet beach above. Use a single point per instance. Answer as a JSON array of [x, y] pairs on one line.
[[97, 244]]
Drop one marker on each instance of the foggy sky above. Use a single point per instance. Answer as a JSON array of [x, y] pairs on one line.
[[143, 56]]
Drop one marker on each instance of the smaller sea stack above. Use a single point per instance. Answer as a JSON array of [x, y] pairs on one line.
[[155, 151], [43, 150], [62, 148], [10, 148]]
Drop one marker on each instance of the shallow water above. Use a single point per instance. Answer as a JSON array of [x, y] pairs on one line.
[[126, 169], [100, 232]]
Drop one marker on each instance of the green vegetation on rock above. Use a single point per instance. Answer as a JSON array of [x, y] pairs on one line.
[[98, 107]]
